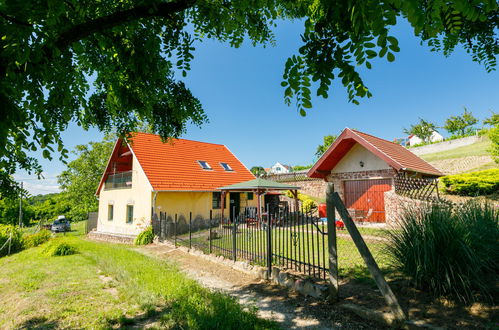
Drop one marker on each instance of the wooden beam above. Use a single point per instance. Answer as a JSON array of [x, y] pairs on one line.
[[383, 286], [331, 241]]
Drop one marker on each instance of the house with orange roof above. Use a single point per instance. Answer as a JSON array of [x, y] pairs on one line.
[[146, 177], [363, 169]]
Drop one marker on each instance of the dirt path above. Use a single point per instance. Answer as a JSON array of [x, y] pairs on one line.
[[290, 310]]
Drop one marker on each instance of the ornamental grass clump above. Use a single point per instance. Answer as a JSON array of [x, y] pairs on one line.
[[60, 248], [449, 251], [145, 237]]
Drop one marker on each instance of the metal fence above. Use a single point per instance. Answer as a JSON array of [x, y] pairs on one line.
[[291, 240]]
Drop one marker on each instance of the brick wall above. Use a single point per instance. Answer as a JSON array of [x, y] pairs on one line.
[[315, 188]]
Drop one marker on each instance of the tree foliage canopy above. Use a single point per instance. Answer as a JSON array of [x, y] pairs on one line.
[[461, 125], [322, 148], [109, 64], [80, 180]]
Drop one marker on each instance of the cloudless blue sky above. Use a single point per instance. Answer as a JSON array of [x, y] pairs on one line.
[[241, 94]]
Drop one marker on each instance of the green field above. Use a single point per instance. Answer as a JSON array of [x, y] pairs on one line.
[[477, 149], [108, 286]]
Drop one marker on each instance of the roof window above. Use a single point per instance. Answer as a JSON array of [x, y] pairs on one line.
[[204, 165], [226, 167]]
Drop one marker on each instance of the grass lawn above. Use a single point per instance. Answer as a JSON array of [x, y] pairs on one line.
[[106, 285], [476, 149]]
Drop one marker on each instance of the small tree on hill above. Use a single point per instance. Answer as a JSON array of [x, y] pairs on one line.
[[493, 120], [321, 148], [257, 171], [423, 130], [461, 125]]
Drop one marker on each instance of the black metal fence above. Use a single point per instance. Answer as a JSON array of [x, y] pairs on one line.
[[291, 240]]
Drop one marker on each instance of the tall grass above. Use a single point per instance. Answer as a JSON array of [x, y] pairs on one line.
[[449, 251]]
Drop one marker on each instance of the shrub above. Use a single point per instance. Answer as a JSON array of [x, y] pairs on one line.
[[60, 248], [16, 243], [308, 205], [494, 138], [472, 184], [36, 239], [145, 237], [449, 252]]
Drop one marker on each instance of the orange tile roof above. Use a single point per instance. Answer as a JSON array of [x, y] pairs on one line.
[[395, 155], [173, 166]]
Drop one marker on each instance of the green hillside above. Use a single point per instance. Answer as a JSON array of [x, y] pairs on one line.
[[476, 149]]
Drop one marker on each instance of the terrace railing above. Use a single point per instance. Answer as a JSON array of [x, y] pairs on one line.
[[120, 180]]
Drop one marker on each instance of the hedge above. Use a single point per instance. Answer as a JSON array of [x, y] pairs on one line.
[[472, 184]]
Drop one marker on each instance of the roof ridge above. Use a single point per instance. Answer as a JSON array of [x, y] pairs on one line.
[[357, 131], [179, 139]]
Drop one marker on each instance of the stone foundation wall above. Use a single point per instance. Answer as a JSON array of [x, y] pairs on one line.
[[110, 237]]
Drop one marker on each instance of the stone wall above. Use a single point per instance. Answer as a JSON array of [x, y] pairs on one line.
[[395, 206], [445, 145], [314, 188]]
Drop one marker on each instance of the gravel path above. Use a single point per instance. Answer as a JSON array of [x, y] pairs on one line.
[[290, 310]]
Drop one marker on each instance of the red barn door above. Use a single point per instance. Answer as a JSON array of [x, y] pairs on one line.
[[366, 195]]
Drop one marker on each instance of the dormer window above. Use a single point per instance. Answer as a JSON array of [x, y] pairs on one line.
[[204, 165], [226, 167]]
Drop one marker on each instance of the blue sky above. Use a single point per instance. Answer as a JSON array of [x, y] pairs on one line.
[[241, 94]]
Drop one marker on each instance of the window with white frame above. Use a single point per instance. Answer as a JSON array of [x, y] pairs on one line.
[[129, 213], [110, 212], [204, 165], [226, 167]]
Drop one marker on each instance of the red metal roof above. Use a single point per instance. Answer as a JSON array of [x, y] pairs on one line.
[[173, 165], [393, 154]]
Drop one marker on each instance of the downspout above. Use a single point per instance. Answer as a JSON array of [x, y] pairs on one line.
[[153, 211]]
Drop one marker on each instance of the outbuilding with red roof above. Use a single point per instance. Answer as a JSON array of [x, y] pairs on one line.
[[148, 177], [363, 167]]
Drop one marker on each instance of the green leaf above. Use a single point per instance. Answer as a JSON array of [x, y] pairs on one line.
[[390, 57]]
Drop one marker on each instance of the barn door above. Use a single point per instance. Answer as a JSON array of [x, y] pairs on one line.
[[366, 195]]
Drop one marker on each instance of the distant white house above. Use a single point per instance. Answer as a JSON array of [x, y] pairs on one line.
[[413, 139], [279, 168]]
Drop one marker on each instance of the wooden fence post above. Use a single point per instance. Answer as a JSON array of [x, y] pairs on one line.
[[385, 289], [331, 240], [190, 230]]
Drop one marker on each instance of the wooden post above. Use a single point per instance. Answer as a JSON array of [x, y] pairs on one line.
[[385, 289], [331, 241]]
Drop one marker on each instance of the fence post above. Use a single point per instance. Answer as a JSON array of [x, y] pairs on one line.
[[210, 224], [175, 230], [331, 240], [385, 289], [10, 241], [234, 245], [269, 243], [190, 230]]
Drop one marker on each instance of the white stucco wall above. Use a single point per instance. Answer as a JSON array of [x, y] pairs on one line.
[[351, 161], [139, 195]]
